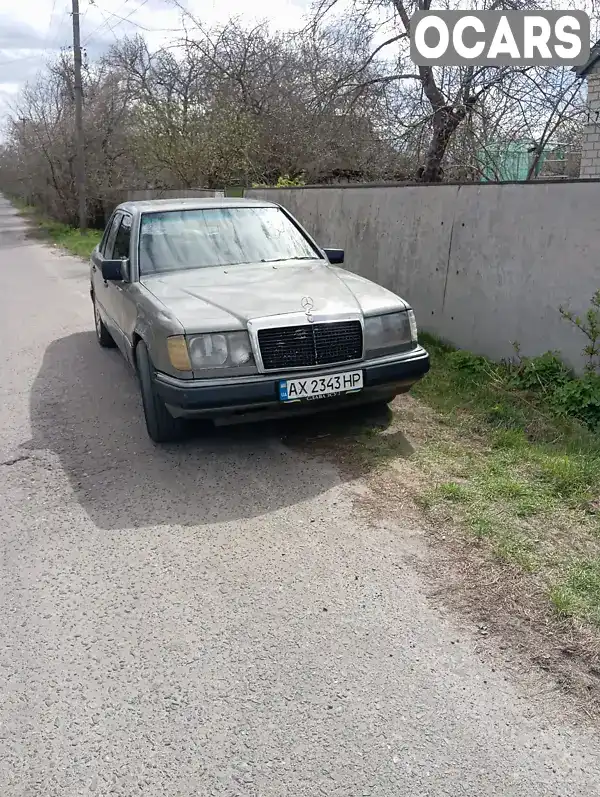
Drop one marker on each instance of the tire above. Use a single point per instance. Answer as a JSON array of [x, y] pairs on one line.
[[161, 425], [102, 334]]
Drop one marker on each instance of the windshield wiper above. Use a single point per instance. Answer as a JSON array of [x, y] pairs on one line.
[[283, 259]]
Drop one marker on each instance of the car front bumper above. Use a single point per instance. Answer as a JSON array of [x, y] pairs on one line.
[[258, 394]]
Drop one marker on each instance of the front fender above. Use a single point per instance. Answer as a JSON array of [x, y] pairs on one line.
[[154, 324]]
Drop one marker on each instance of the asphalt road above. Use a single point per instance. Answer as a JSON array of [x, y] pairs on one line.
[[214, 618]]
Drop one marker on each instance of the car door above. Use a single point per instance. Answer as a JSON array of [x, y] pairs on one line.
[[101, 288], [116, 291], [98, 252], [124, 308]]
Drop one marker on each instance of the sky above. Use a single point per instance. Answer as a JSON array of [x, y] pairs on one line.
[[32, 31]]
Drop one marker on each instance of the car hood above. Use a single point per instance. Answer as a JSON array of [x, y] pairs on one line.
[[220, 298]]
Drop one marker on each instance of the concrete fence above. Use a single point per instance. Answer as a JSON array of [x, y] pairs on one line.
[[484, 265], [118, 195], [164, 193]]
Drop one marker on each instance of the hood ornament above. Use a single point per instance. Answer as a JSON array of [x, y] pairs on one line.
[[307, 305]]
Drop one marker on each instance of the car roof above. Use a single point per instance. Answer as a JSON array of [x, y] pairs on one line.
[[195, 203]]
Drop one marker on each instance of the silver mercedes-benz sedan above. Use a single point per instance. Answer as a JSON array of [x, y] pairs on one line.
[[228, 308]]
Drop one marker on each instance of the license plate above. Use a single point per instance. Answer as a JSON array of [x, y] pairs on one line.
[[320, 386]]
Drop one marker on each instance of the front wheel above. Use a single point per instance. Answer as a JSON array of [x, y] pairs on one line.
[[161, 425], [102, 334]]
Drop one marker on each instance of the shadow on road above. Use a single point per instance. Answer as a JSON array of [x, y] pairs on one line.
[[85, 407]]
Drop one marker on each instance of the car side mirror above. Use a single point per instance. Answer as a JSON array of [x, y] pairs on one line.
[[113, 270], [335, 256]]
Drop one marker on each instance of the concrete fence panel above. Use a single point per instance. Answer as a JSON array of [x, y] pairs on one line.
[[160, 193], [483, 265]]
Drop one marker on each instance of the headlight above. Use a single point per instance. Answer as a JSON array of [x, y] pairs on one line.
[[240, 351], [385, 334], [226, 349]]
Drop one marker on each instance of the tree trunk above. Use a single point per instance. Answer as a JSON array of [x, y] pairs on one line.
[[445, 122]]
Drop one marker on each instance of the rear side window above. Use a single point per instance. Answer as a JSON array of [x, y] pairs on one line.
[[123, 239]]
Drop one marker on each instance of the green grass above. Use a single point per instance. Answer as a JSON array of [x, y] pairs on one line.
[[63, 235], [512, 475], [579, 593], [72, 240]]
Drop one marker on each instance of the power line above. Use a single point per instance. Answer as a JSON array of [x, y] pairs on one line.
[[107, 22], [52, 42], [51, 19], [123, 19], [22, 58], [102, 24], [39, 53]]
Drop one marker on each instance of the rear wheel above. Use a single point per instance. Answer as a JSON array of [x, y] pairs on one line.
[[102, 334], [161, 425]]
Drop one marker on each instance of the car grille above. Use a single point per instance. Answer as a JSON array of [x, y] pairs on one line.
[[310, 345]]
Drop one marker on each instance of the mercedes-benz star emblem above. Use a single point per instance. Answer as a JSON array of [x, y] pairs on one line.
[[307, 306]]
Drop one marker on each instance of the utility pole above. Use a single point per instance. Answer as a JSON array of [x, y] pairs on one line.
[[78, 89]]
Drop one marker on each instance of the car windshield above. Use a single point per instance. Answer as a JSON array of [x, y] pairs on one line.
[[188, 239]]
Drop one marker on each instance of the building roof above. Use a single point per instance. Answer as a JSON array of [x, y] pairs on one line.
[[594, 57]]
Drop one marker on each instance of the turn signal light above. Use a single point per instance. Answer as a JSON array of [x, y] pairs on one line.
[[178, 353]]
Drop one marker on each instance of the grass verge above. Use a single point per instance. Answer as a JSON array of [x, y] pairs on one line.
[[62, 235], [517, 477]]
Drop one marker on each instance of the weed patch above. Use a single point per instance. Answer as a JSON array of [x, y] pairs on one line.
[[512, 471], [63, 235], [579, 593]]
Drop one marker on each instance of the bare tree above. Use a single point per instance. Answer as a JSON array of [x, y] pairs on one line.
[[453, 96]]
